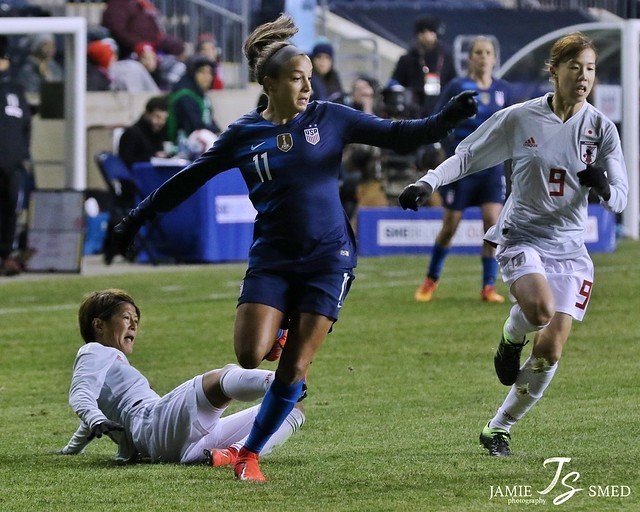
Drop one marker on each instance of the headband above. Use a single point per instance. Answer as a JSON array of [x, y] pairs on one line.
[[275, 62]]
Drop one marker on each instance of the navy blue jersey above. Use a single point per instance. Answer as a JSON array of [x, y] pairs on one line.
[[292, 171], [496, 97]]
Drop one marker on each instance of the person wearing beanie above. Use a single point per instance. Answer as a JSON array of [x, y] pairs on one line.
[[206, 46], [325, 80], [40, 65], [100, 57], [130, 74], [146, 54], [189, 105], [426, 68]]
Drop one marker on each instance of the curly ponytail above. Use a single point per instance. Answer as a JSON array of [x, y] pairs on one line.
[[265, 41]]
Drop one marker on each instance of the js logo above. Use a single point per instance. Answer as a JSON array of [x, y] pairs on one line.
[[571, 477]]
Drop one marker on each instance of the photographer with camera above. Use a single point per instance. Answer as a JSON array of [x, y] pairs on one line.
[[426, 68]]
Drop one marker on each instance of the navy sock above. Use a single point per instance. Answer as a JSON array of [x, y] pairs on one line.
[[276, 406], [436, 264], [489, 271]]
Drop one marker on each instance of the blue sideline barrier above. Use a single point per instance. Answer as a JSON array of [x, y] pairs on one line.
[[386, 231]]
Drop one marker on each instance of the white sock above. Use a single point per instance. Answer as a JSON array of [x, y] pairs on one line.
[[517, 326], [534, 377], [290, 425], [245, 385]]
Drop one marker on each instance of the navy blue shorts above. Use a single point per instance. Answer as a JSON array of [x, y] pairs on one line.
[[486, 186], [320, 292]]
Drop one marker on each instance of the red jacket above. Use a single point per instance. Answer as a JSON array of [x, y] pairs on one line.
[[132, 21]]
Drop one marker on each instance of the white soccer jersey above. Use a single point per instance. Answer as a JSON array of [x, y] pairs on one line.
[[547, 207], [105, 386]]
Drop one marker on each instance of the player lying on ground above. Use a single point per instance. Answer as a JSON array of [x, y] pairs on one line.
[[561, 147], [186, 425]]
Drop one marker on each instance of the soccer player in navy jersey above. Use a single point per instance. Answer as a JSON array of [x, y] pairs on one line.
[[303, 254], [486, 188]]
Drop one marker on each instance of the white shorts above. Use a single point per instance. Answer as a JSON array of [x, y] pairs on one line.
[[571, 280], [183, 422]]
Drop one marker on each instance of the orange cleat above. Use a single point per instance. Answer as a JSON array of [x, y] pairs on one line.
[[425, 292], [222, 457], [247, 467], [489, 294], [278, 345]]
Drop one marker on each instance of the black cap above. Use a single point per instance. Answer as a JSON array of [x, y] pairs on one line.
[[429, 23]]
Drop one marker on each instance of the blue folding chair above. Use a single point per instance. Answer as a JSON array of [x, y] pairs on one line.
[[124, 193]]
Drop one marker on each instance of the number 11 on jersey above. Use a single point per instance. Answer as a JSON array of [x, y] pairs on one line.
[[265, 163]]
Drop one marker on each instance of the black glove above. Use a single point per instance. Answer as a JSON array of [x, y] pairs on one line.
[[595, 178], [104, 427], [123, 235], [415, 195], [459, 108]]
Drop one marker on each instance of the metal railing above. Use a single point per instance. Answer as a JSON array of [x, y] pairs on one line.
[[228, 20]]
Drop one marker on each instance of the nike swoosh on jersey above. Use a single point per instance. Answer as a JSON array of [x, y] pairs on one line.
[[257, 145]]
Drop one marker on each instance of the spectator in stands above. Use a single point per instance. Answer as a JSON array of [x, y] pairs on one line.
[[486, 188], [130, 75], [360, 181], [171, 63], [131, 22], [426, 68], [148, 57], [189, 105], [207, 47], [15, 127], [40, 65], [145, 139], [100, 58], [325, 80]]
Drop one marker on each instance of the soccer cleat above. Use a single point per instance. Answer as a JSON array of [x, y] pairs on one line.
[[496, 440], [489, 294], [425, 291], [247, 468], [278, 345], [507, 360], [218, 457]]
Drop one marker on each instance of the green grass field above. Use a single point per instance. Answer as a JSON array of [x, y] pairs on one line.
[[398, 395]]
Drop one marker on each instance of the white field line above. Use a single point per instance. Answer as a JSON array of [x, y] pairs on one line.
[[360, 283]]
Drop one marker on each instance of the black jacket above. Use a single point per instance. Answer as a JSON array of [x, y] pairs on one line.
[[139, 142], [15, 125], [410, 73]]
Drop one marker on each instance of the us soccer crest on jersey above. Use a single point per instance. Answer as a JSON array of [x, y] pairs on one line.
[[312, 135], [588, 151]]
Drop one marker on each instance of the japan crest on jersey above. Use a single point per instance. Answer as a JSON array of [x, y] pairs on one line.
[[285, 142], [588, 151], [312, 135]]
